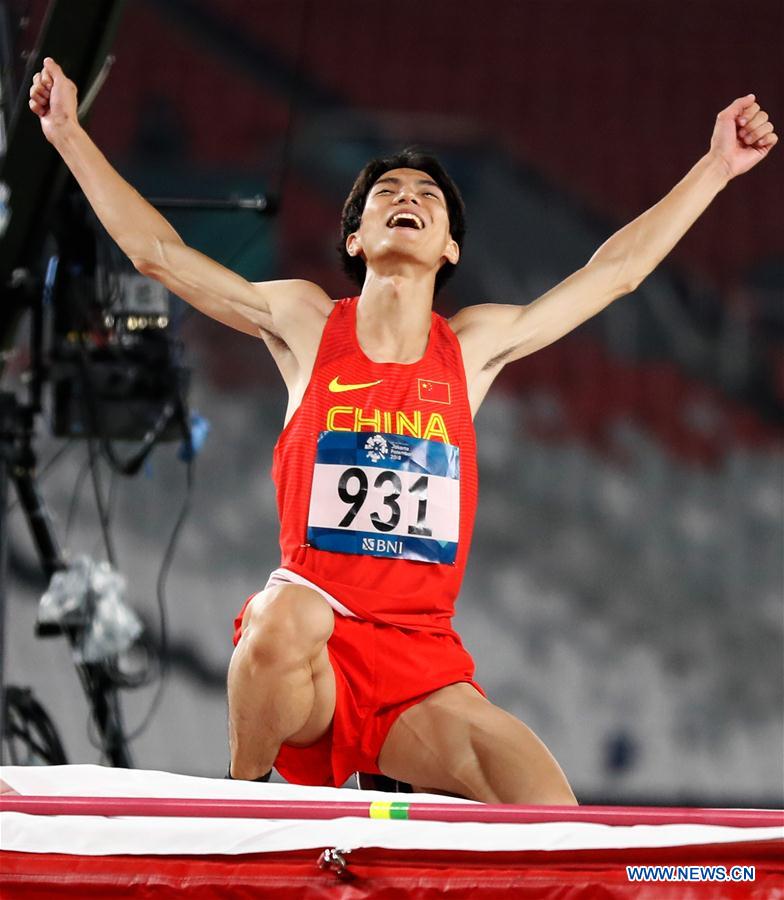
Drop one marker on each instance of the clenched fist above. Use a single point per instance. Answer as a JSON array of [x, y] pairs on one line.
[[743, 135], [53, 99]]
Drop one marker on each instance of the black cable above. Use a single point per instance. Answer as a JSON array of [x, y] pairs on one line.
[[109, 260], [76, 496], [171, 409], [27, 721], [93, 734], [161, 598], [99, 445], [112, 496], [108, 503], [100, 503], [132, 464], [40, 474], [48, 465]]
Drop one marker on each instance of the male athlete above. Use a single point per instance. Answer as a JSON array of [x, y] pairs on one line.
[[346, 661]]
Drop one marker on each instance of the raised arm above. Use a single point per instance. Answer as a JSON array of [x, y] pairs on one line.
[[494, 334], [150, 242]]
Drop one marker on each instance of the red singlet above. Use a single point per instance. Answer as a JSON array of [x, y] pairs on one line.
[[378, 464]]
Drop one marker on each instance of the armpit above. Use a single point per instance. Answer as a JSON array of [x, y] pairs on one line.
[[498, 359], [274, 341]]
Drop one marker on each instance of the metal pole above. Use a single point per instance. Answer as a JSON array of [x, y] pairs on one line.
[[6, 451]]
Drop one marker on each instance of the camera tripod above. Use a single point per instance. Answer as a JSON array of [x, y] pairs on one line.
[[18, 466]]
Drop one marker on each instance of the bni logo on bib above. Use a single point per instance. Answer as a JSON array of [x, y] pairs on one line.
[[379, 494]]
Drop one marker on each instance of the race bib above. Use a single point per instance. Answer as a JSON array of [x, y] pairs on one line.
[[377, 494]]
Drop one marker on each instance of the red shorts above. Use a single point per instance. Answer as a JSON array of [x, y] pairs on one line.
[[380, 670]]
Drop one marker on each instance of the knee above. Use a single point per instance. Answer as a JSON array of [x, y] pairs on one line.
[[287, 621]]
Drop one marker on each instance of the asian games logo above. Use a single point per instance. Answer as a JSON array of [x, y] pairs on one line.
[[376, 447]]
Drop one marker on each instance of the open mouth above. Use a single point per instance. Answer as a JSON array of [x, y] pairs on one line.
[[406, 220]]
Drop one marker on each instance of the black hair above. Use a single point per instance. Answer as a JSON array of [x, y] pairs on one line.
[[410, 158]]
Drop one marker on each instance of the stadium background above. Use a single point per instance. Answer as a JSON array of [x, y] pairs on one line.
[[624, 595]]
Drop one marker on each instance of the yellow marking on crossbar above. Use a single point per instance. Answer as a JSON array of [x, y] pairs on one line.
[[380, 809]]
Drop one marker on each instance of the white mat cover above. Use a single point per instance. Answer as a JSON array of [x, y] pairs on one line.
[[97, 835]]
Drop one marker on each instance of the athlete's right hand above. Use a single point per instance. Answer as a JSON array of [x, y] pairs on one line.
[[53, 99]]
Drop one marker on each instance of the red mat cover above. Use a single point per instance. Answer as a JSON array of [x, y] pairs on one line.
[[377, 873]]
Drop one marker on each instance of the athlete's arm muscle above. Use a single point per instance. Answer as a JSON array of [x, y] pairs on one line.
[[492, 335], [276, 308]]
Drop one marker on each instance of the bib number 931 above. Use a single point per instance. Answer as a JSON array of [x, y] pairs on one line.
[[383, 481], [384, 495]]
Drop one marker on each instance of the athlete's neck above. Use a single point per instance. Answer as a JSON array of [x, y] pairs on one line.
[[393, 317]]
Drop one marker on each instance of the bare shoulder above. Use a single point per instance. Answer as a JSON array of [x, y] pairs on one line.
[[470, 318], [477, 329], [297, 311], [294, 298], [481, 316], [467, 325]]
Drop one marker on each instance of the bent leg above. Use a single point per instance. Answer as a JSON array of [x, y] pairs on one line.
[[281, 684], [458, 742]]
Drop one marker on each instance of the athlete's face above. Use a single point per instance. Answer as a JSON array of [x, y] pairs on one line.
[[405, 220]]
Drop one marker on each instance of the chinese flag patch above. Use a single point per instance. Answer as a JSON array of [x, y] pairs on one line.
[[436, 391]]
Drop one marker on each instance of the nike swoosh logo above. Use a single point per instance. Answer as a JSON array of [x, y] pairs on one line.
[[336, 387]]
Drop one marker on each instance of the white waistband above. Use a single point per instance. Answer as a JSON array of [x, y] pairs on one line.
[[286, 576]]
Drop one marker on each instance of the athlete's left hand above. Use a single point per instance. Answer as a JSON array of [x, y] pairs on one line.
[[742, 136]]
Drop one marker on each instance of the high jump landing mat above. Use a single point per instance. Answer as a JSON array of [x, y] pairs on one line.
[[90, 831]]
